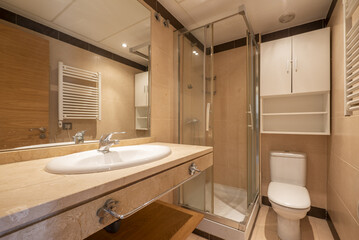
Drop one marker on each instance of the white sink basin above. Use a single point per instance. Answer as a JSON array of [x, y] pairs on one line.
[[118, 157]]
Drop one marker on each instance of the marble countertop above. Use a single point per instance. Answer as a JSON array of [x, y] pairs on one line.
[[29, 193]]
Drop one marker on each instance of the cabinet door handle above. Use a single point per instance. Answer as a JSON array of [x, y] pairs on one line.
[[250, 116], [288, 65], [208, 108], [296, 64]]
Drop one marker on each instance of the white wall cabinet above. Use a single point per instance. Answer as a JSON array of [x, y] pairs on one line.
[[141, 89], [141, 101], [276, 67], [295, 84], [297, 64], [311, 61]]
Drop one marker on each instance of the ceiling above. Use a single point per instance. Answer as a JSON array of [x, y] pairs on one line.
[[109, 23], [103, 23], [262, 14]]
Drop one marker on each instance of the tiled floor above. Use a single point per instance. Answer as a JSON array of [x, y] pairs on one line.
[[311, 228], [195, 237]]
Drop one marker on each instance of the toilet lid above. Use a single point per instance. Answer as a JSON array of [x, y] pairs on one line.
[[289, 195]]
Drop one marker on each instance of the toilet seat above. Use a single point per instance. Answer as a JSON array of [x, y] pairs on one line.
[[289, 195]]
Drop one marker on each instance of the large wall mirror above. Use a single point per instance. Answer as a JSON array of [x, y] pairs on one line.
[[91, 59]]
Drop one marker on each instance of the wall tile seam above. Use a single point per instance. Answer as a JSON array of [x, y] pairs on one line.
[[163, 119], [344, 205], [346, 117], [341, 159]]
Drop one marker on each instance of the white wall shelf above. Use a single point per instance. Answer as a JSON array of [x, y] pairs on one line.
[[296, 114], [141, 101]]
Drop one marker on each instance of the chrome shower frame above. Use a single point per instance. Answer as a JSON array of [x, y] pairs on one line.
[[254, 205]]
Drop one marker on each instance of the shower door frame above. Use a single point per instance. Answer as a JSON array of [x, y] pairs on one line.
[[255, 70], [207, 133]]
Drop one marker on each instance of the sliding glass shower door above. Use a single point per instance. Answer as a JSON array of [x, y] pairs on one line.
[[196, 97], [253, 132], [219, 107]]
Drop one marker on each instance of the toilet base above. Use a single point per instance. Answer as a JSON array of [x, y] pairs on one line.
[[288, 229]]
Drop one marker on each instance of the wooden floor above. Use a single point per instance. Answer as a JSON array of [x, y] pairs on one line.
[[311, 228]]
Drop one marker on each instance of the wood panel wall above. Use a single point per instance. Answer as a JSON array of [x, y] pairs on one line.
[[24, 87]]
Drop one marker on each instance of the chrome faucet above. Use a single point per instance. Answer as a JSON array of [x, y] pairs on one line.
[[105, 142], [79, 137], [42, 131]]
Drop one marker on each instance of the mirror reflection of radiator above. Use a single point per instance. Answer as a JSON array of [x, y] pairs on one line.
[[79, 93]]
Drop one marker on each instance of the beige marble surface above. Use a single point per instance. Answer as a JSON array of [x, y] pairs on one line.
[[28, 193]]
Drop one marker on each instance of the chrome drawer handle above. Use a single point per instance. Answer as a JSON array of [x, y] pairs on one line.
[[193, 169]]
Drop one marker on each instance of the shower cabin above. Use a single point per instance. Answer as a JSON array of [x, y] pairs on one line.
[[218, 82]]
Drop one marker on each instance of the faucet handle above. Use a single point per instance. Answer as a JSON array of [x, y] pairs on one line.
[[80, 133], [79, 137], [105, 141], [41, 129]]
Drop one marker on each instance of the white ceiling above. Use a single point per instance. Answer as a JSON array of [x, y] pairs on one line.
[[104, 23], [262, 14], [109, 23]]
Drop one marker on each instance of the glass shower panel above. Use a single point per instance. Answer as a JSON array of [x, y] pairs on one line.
[[196, 103], [252, 119], [219, 107]]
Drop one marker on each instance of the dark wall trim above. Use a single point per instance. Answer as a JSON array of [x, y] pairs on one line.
[[294, 30], [50, 32], [330, 12], [313, 212], [332, 228], [230, 45], [274, 35], [155, 5]]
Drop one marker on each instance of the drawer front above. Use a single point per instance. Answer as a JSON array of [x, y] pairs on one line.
[[82, 221]]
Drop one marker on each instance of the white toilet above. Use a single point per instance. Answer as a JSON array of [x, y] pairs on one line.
[[287, 192]]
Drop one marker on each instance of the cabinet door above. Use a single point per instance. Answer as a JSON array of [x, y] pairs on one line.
[[141, 89], [311, 61], [275, 67]]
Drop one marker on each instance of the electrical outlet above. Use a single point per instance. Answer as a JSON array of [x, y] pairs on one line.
[[67, 126]]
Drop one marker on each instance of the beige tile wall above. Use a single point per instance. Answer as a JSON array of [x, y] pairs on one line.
[[163, 87], [164, 93], [230, 119], [343, 166], [316, 149], [118, 113]]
